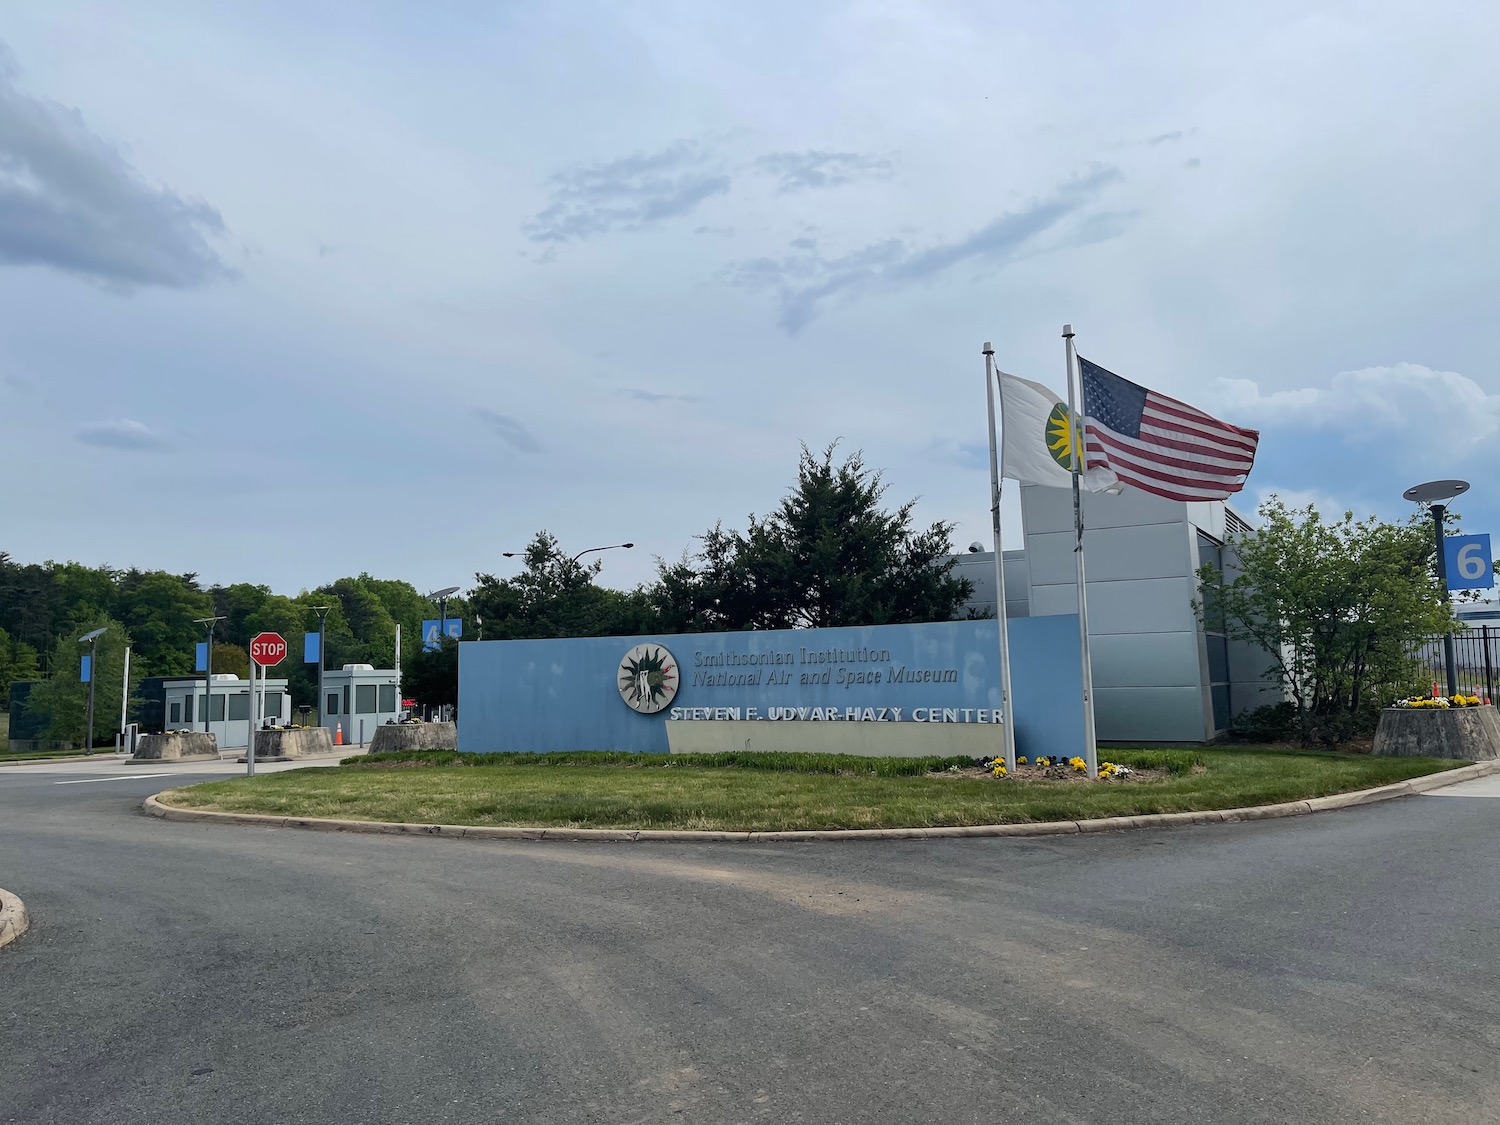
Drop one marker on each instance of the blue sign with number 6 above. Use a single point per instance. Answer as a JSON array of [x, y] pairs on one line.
[[1470, 564]]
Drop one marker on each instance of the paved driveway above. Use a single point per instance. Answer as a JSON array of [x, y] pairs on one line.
[[1331, 968]]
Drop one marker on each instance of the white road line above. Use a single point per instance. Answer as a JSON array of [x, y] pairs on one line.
[[129, 777]]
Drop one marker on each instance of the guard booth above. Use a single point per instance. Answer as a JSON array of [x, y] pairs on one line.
[[228, 706], [360, 698]]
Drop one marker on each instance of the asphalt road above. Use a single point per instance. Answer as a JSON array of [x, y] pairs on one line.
[[1333, 968]]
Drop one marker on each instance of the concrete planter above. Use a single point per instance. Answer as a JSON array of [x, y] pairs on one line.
[[309, 742], [176, 746], [1469, 734], [414, 736]]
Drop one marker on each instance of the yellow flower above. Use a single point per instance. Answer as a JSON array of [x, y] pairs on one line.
[[1021, 761], [998, 771]]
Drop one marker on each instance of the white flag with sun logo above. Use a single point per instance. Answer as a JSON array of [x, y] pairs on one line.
[[1037, 444]]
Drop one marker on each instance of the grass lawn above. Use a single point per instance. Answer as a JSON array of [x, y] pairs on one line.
[[45, 755], [776, 792]]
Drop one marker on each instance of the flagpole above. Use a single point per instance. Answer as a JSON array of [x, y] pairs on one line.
[[1002, 629], [1090, 753]]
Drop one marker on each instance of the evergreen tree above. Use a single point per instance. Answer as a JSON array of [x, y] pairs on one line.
[[829, 554]]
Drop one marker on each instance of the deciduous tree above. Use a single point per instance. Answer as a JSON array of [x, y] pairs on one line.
[[1338, 606]]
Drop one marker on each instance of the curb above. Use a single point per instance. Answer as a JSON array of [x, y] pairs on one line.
[[13, 918], [155, 808]]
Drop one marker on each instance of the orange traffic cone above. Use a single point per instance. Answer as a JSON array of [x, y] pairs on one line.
[[338, 734]]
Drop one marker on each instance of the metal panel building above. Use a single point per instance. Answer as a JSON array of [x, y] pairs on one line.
[[1159, 675]]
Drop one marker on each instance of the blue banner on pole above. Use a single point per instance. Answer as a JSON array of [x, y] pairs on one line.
[[201, 659], [1469, 561], [85, 669], [454, 627], [310, 646]]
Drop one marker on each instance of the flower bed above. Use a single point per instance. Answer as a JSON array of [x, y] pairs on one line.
[[1442, 702], [1049, 769]]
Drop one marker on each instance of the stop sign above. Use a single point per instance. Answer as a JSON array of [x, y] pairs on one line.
[[268, 648]]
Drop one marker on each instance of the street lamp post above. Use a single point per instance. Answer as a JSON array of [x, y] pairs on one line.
[[611, 547], [580, 554], [441, 597], [208, 667], [322, 612], [92, 640], [1435, 494]]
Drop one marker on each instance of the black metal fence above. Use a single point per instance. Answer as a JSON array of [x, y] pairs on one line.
[[1476, 654]]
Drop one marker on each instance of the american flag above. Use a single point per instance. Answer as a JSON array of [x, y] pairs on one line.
[[1158, 444]]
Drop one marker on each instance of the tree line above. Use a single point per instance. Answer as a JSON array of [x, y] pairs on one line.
[[830, 553]]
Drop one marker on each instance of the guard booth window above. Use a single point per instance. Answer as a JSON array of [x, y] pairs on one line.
[[387, 697], [218, 708], [239, 708], [177, 712], [187, 709], [364, 699], [272, 706], [333, 703], [346, 700]]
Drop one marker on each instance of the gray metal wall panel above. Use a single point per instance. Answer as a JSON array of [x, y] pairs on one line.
[[1046, 509], [1247, 661], [979, 568], [1051, 509], [1148, 605], [1246, 695], [1147, 715], [1113, 554], [1145, 660]]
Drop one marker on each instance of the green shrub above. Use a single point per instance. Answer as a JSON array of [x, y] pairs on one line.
[[1275, 722]]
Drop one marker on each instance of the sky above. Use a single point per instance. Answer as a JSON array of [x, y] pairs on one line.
[[294, 290]]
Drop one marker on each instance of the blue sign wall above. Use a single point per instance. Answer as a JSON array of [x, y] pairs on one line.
[[1469, 562], [564, 694], [454, 627]]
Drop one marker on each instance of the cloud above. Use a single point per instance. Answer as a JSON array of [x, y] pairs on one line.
[[799, 171], [1330, 507], [805, 281], [1435, 412], [509, 430], [120, 433], [657, 396], [1162, 138], [70, 201], [965, 454], [629, 193]]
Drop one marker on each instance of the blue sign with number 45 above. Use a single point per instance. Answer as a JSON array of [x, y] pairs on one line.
[[1470, 565], [431, 642]]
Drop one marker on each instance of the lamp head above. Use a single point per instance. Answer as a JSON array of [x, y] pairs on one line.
[[1435, 491], [445, 592], [94, 636]]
